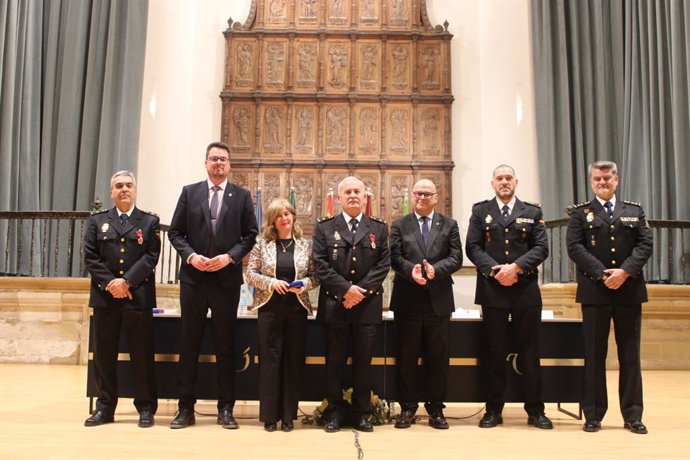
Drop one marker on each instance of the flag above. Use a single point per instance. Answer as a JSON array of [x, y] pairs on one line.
[[406, 202], [330, 211], [293, 198], [259, 213], [367, 209]]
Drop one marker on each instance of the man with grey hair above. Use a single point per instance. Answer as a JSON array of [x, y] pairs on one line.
[[610, 241], [352, 259], [121, 249]]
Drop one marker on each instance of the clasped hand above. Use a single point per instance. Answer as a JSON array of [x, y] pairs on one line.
[[205, 264], [418, 276], [353, 296], [282, 287], [119, 289], [615, 277], [506, 274]]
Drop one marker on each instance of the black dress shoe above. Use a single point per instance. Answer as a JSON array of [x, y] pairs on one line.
[[287, 427], [331, 426], [270, 427], [184, 418], [591, 426], [406, 419], [227, 421], [540, 421], [99, 418], [490, 420], [438, 421], [145, 419], [363, 424], [635, 426]]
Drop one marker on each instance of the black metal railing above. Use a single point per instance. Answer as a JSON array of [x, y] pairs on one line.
[[669, 263]]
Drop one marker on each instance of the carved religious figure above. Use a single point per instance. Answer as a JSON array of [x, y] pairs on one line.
[[399, 10], [276, 9], [429, 64], [368, 128], [305, 126], [398, 192], [272, 121], [304, 192], [369, 60], [335, 128], [337, 54], [399, 121], [240, 123], [368, 10], [306, 56], [430, 125], [308, 8], [399, 74], [337, 9], [245, 65], [275, 64], [271, 189]]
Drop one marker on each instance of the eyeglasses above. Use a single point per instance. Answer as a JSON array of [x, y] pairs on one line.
[[423, 194], [218, 159]]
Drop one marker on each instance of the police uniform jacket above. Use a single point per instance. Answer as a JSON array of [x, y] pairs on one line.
[[340, 263], [132, 252], [443, 251], [596, 242], [492, 242]]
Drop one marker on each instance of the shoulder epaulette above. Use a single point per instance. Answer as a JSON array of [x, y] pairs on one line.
[[100, 211], [579, 205], [378, 219], [532, 203], [632, 203], [324, 219], [149, 213], [481, 202]]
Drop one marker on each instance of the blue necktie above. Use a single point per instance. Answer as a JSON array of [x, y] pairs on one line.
[[425, 229], [353, 228], [506, 213], [609, 209], [214, 207], [123, 220]]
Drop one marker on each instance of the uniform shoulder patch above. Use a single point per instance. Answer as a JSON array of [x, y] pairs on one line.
[[634, 203], [532, 203], [579, 205], [378, 219], [100, 211], [481, 202], [324, 219]]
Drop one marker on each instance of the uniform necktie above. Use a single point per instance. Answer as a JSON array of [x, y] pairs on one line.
[[425, 229], [123, 220], [353, 228], [506, 213], [214, 207], [609, 209]]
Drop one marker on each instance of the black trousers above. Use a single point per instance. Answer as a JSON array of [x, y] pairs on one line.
[[362, 342], [138, 327], [195, 300], [525, 321], [596, 323], [422, 333], [282, 329]]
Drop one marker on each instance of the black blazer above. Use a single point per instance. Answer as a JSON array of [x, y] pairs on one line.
[[491, 242], [339, 263], [596, 242], [111, 251], [236, 230], [444, 252]]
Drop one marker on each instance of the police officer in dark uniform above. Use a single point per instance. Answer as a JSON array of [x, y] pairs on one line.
[[121, 250], [610, 241], [352, 259], [506, 241]]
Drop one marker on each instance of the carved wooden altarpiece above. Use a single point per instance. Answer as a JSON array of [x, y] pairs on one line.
[[316, 90]]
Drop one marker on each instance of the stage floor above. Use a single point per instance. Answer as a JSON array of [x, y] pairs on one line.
[[43, 407]]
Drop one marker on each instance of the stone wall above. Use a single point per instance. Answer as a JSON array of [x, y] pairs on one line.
[[45, 320]]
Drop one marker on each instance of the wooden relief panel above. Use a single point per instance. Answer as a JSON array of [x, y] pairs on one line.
[[272, 128], [304, 130], [336, 130], [275, 65], [240, 118], [316, 90], [399, 131], [305, 64]]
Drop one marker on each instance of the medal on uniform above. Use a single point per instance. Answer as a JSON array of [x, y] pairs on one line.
[[372, 238], [105, 227], [336, 235], [488, 234], [488, 219], [140, 237], [593, 242], [335, 254], [590, 216]]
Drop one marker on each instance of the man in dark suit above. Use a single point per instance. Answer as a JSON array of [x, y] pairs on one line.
[[425, 252], [352, 259], [506, 241], [610, 241], [121, 250], [212, 229]]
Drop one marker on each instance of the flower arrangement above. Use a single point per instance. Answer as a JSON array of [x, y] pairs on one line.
[[380, 410]]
